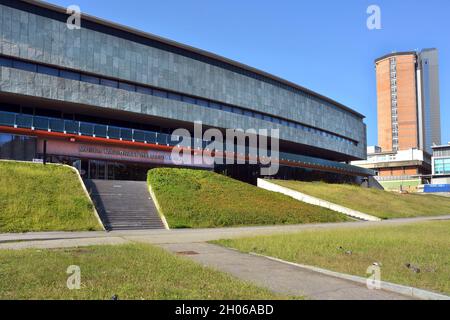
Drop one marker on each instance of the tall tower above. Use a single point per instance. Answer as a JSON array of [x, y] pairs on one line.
[[408, 100], [397, 101], [429, 99]]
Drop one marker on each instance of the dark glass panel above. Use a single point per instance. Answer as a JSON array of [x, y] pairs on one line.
[[69, 75], [40, 123], [48, 71], [174, 96], [114, 133], [56, 125], [139, 136], [5, 62], [24, 66], [86, 129], [144, 90], [100, 131], [159, 93], [7, 119], [71, 126], [90, 79], [150, 137], [109, 83], [126, 134], [189, 100], [24, 121], [127, 87]]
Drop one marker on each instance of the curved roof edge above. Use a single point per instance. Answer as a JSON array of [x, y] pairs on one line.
[[140, 33], [394, 54]]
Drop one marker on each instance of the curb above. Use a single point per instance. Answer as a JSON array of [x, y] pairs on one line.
[[158, 207], [387, 286]]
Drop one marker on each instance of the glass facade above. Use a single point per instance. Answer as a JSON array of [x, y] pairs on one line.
[[442, 166], [15, 147]]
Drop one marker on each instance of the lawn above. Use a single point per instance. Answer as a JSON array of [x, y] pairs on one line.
[[425, 246], [379, 203], [203, 199], [34, 197], [132, 271]]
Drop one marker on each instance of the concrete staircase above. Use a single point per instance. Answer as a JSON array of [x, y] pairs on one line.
[[124, 205]]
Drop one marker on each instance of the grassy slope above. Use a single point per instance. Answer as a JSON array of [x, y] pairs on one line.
[[195, 199], [379, 203], [424, 245], [34, 197], [129, 271]]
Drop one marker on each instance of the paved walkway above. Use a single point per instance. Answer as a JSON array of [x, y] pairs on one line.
[[10, 240], [279, 277]]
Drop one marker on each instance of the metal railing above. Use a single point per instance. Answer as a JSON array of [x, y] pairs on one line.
[[81, 128]]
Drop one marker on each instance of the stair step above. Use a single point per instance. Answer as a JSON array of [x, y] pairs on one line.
[[124, 205]]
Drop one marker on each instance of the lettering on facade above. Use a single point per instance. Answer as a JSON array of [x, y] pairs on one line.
[[124, 153]]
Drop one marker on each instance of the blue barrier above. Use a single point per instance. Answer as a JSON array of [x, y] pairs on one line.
[[437, 188]]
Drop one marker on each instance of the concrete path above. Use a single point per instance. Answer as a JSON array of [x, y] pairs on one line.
[[9, 241], [276, 276]]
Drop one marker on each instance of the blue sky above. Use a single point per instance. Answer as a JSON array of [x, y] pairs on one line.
[[323, 45]]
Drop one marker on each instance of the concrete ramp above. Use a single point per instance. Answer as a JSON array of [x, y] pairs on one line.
[[264, 184]]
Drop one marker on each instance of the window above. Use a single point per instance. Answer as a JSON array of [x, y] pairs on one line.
[[24, 66], [226, 108], [48, 71], [189, 100], [4, 62], [159, 93], [248, 113], [214, 105], [237, 110], [70, 75], [127, 87], [174, 96], [202, 103], [144, 90], [109, 83], [90, 79]]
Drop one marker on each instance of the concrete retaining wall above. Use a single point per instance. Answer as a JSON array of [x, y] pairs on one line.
[[264, 184]]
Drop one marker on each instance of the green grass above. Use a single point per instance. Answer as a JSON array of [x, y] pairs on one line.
[[34, 197], [379, 203], [134, 271], [424, 245], [202, 199]]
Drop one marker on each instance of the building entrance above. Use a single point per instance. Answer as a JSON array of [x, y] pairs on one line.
[[105, 170]]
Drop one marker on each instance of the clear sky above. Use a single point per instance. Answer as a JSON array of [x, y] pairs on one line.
[[323, 45]]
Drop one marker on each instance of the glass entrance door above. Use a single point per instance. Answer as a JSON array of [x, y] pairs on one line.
[[103, 170], [110, 171], [97, 170]]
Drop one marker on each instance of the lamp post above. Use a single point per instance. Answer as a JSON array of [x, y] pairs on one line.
[[45, 152]]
